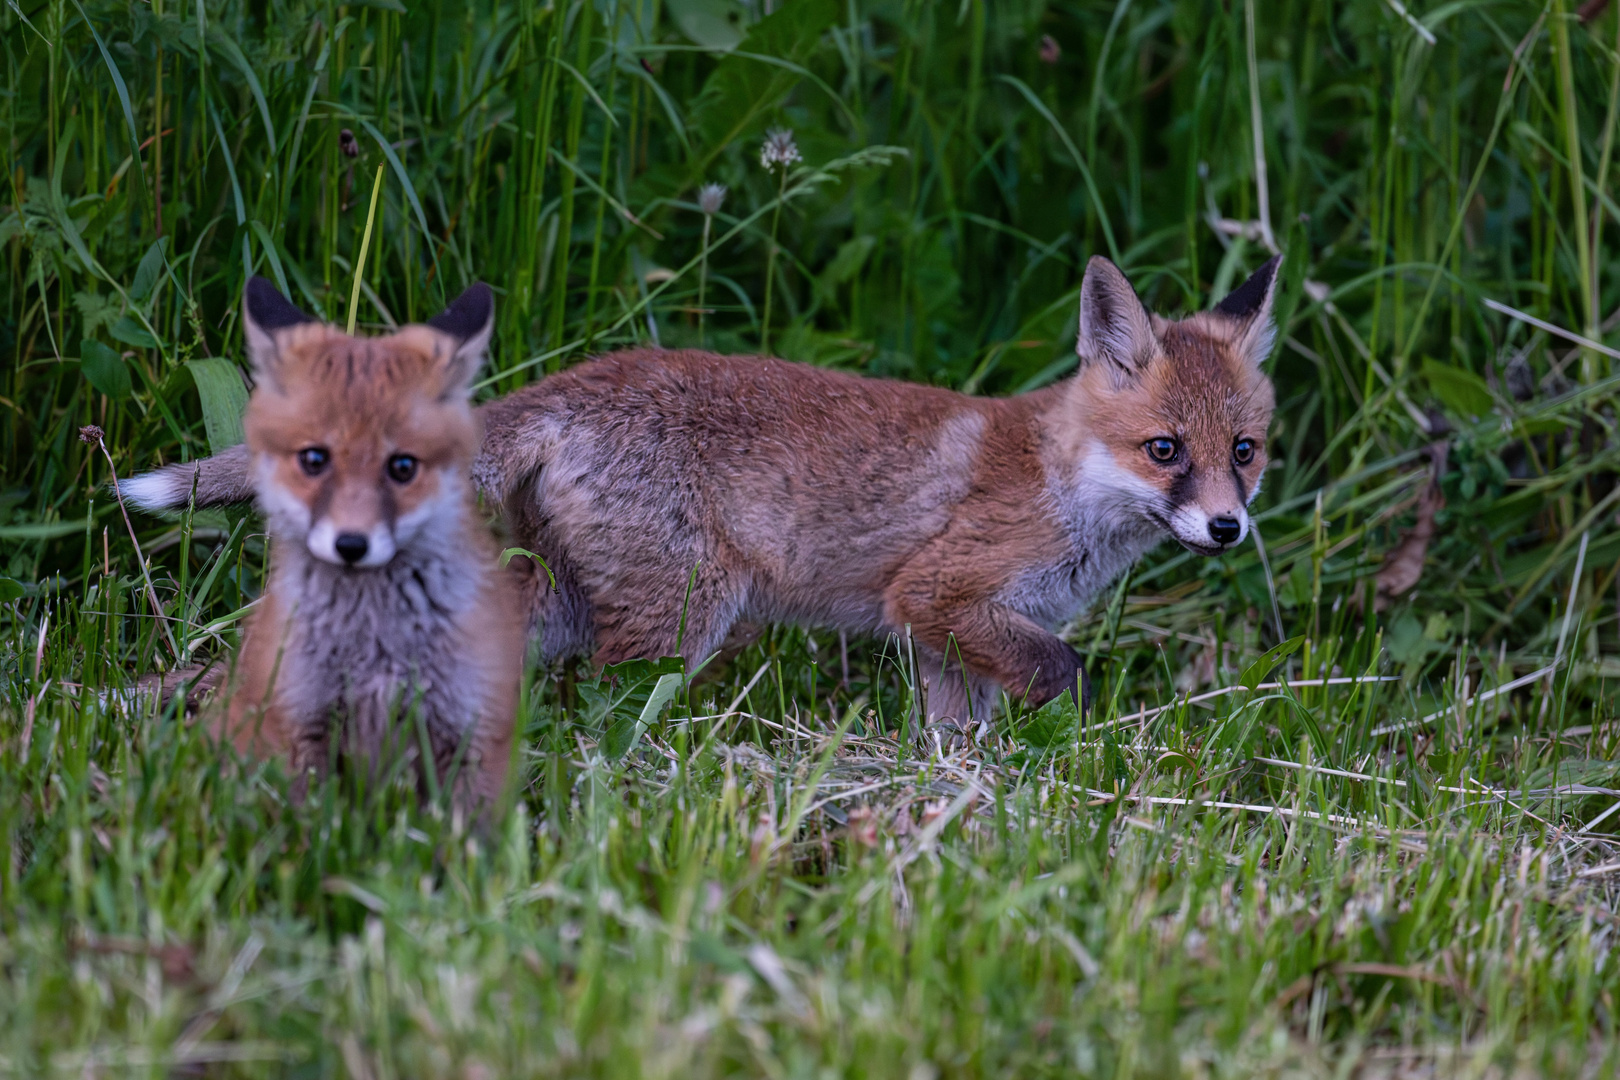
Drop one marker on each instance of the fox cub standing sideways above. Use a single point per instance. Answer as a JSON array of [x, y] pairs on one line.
[[384, 604], [813, 496]]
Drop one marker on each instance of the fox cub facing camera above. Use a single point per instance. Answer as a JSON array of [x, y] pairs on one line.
[[384, 607], [784, 492]]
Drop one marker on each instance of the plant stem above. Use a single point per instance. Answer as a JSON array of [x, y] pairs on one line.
[[770, 268], [703, 278]]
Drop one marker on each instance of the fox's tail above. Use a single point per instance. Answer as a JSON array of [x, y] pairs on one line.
[[220, 480]]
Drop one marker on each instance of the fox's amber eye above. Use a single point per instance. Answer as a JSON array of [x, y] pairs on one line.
[[314, 459], [1243, 451], [1163, 450], [402, 468]]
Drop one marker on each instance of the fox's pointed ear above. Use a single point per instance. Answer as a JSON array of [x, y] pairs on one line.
[[1114, 326], [1249, 305], [265, 312], [468, 321]]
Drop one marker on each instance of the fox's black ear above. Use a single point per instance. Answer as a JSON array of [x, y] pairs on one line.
[[264, 312], [469, 321], [1114, 326], [1250, 304]]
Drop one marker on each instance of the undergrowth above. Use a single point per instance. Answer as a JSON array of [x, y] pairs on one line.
[[1345, 804]]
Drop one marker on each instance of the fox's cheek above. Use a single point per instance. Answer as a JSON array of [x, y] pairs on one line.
[[288, 513], [433, 499]]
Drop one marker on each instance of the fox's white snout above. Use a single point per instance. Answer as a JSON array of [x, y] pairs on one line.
[[1209, 534], [351, 547]]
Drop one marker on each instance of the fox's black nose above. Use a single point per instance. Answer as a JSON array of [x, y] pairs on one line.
[[351, 547], [1221, 530]]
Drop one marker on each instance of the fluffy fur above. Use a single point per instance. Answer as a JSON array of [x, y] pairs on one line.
[[350, 653], [805, 495]]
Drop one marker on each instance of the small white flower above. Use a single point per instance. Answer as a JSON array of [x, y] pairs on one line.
[[779, 149], [710, 198]]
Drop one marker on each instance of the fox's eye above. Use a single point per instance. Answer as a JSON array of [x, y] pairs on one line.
[[402, 468], [1243, 451], [314, 459], [1163, 450]]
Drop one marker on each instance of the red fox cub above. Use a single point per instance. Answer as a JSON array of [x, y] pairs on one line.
[[384, 607], [786, 492]]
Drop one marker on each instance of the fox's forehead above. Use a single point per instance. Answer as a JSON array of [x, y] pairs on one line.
[[1202, 381], [334, 389], [360, 370]]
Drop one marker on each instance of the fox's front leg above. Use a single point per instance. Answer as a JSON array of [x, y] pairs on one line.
[[993, 642]]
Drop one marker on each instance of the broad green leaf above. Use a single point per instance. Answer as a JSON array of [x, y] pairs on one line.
[[628, 734], [714, 24], [224, 398], [742, 92], [11, 589], [104, 369], [1256, 673], [146, 275], [133, 333], [848, 260], [1463, 392], [624, 694]]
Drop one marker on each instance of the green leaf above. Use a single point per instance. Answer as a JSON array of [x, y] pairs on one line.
[[11, 589], [511, 553], [224, 399], [627, 697], [104, 369], [43, 530], [714, 24], [123, 100], [146, 275], [742, 91], [1461, 391], [848, 260], [622, 735], [1256, 673], [133, 333], [1052, 726], [233, 52]]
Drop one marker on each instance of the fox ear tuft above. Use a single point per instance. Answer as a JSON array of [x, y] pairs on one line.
[[1114, 326], [265, 312], [468, 321], [1250, 306]]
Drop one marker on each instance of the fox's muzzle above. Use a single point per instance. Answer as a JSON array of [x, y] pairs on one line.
[[351, 547], [1207, 534]]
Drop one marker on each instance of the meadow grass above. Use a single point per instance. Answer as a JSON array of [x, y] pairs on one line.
[[1345, 804]]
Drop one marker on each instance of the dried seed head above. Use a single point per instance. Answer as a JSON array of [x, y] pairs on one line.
[[710, 198], [779, 149], [90, 433], [347, 143]]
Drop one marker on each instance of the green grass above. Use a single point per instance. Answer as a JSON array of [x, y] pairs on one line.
[[768, 878]]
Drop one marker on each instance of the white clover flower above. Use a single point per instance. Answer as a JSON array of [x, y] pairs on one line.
[[710, 198], [779, 149]]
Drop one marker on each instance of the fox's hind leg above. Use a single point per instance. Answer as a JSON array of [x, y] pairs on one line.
[[648, 615], [956, 702]]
